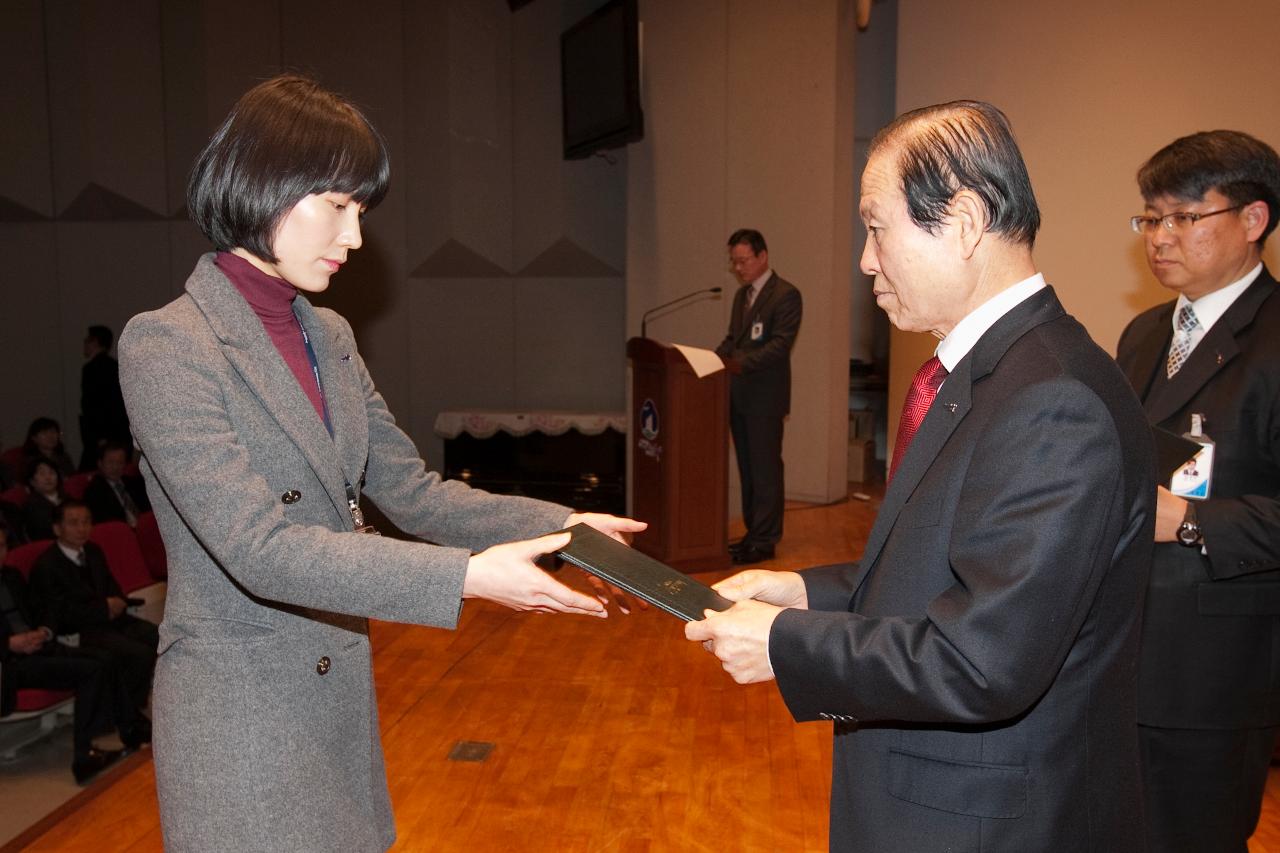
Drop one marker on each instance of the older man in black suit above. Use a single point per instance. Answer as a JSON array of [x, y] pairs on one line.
[[72, 577], [1209, 678], [31, 657], [979, 662], [757, 352]]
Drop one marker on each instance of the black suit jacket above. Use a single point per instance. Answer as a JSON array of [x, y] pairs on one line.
[[1211, 641], [35, 615], [102, 411], [105, 506], [764, 386], [980, 660], [76, 596], [37, 517]]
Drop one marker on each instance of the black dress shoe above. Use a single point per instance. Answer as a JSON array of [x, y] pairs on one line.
[[134, 735], [751, 554], [86, 766]]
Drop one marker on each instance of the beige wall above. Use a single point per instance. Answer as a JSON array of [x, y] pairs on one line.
[[749, 123], [1092, 88]]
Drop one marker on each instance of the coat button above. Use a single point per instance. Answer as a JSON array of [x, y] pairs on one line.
[[291, 497], [322, 665]]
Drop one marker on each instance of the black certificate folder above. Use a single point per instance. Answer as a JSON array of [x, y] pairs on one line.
[[640, 574]]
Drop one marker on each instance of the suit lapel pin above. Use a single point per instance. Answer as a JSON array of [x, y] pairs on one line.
[[1220, 358], [953, 407], [345, 358]]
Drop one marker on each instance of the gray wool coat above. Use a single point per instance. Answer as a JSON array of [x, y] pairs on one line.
[[266, 725]]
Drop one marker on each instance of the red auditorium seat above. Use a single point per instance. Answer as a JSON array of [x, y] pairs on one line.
[[15, 461], [17, 496], [24, 557], [36, 699], [76, 484], [124, 556], [152, 546]]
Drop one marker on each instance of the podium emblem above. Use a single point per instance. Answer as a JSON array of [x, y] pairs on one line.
[[649, 420]]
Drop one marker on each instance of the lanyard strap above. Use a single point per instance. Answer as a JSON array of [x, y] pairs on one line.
[[353, 503], [315, 371]]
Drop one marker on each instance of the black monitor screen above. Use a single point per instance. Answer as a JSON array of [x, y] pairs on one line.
[[599, 71]]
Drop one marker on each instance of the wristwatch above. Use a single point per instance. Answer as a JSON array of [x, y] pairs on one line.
[[1189, 533]]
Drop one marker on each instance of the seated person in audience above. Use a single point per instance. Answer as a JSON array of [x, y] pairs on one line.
[[11, 517], [30, 657], [72, 577], [112, 495], [45, 485], [44, 441]]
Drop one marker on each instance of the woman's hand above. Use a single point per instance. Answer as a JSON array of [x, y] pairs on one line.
[[621, 529], [611, 525], [505, 574]]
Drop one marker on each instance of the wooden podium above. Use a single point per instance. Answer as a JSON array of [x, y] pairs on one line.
[[680, 458]]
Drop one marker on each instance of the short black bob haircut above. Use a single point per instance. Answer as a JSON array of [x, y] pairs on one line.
[[1242, 168], [285, 139], [749, 237], [945, 148]]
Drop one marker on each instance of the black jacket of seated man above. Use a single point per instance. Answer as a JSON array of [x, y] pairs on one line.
[[30, 657], [105, 503], [86, 600]]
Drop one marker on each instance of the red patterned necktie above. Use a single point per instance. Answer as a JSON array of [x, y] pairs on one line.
[[920, 396]]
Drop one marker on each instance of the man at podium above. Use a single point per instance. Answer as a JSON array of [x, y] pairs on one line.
[[757, 353]]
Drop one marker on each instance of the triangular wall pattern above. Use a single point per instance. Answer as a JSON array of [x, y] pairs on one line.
[[96, 203], [11, 211], [455, 260], [566, 259]]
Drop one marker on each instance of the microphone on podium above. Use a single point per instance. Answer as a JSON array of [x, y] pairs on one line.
[[644, 318]]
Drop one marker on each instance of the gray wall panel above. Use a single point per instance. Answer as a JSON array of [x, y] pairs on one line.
[[33, 354], [25, 177]]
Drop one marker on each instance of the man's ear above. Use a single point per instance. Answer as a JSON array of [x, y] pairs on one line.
[[1256, 216], [969, 217]]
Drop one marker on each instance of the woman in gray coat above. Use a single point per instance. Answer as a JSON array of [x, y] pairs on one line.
[[260, 430]]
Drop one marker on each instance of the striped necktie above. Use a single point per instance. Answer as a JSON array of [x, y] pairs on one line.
[[1182, 340]]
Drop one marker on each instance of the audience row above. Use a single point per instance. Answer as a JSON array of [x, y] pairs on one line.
[[65, 627]]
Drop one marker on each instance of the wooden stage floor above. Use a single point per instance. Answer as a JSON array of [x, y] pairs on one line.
[[608, 735]]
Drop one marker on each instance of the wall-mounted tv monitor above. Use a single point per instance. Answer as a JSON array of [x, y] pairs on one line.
[[600, 80]]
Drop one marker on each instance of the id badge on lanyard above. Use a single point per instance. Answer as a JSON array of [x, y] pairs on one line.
[[353, 503], [1193, 480]]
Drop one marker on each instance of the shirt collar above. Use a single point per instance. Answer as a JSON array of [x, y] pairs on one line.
[[1210, 307], [758, 284], [965, 335], [72, 554]]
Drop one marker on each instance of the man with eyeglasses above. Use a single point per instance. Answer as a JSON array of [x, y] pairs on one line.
[[1209, 675], [757, 352]]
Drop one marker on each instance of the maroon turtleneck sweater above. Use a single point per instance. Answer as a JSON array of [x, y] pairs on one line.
[[271, 299]]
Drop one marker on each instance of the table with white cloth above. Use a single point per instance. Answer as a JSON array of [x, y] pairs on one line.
[[574, 458]]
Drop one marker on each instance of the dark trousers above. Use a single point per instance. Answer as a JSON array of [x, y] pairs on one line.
[[132, 643], [100, 697], [757, 441], [1203, 787]]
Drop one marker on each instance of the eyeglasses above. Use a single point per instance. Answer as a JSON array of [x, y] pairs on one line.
[[1173, 221]]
